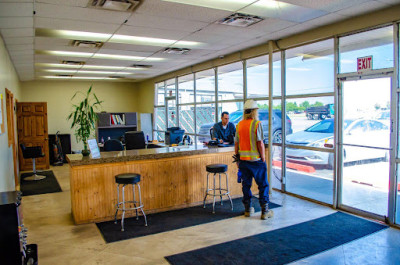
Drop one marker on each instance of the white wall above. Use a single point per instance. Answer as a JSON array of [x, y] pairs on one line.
[[9, 80], [117, 97]]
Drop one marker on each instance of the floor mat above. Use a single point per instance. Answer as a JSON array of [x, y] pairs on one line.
[[283, 245], [47, 185], [171, 220]]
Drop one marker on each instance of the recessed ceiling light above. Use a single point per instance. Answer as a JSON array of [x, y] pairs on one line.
[[126, 39], [74, 77], [216, 4], [85, 72], [99, 55], [176, 50], [100, 67]]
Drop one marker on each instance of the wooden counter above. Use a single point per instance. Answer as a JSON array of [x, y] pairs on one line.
[[171, 178]]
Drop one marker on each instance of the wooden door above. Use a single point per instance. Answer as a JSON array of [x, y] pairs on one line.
[[32, 131], [11, 131]]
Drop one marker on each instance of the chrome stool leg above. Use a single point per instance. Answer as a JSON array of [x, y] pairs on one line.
[[228, 191], [141, 205], [117, 206], [134, 201], [123, 208], [205, 197], [220, 188], [214, 194]]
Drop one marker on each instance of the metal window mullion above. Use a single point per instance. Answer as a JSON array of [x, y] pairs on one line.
[[283, 111], [327, 94], [336, 127], [216, 93], [270, 93], [176, 102], [195, 106], [244, 62], [394, 112]]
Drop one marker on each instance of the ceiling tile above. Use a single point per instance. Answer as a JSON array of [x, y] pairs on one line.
[[225, 30], [79, 3], [20, 32], [287, 12], [16, 22], [18, 40], [392, 2], [151, 32], [186, 12], [327, 19], [25, 52], [76, 25], [362, 9], [80, 13], [157, 22], [326, 5], [16, 9], [21, 47], [271, 25]]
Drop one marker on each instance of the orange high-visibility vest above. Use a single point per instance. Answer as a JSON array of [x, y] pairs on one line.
[[247, 132]]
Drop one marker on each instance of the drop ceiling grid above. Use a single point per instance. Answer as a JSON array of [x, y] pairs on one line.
[[151, 32], [361, 9], [16, 9], [326, 5]]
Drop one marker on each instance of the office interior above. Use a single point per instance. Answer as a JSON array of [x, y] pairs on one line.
[[318, 51]]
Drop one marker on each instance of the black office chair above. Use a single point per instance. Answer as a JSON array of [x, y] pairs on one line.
[[134, 140], [33, 152], [211, 132], [113, 145]]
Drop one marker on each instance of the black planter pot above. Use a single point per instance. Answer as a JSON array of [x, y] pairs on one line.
[[85, 152]]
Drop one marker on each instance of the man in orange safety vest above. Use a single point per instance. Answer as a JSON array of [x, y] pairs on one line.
[[249, 145]]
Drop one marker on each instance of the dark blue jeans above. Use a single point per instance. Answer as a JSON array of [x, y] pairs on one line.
[[258, 171]]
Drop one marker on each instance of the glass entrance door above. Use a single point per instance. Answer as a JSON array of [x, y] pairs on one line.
[[365, 144]]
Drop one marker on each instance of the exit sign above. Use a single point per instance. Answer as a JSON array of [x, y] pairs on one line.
[[364, 64]]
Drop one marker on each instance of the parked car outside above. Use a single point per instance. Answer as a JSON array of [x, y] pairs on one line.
[[236, 117], [356, 132]]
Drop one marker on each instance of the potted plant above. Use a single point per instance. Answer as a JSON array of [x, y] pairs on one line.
[[84, 117]]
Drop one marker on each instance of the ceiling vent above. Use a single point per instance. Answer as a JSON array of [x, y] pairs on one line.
[[116, 77], [141, 66], [115, 5], [240, 20], [176, 50], [87, 44], [73, 62]]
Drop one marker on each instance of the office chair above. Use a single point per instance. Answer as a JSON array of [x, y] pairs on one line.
[[33, 152], [113, 145], [134, 140]]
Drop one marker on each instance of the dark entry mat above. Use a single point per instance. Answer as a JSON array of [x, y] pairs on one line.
[[171, 220], [283, 245], [47, 185]]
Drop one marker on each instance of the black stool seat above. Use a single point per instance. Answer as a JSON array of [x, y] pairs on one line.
[[127, 178], [217, 168]]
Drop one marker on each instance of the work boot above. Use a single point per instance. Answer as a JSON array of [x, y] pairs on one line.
[[248, 210], [266, 212]]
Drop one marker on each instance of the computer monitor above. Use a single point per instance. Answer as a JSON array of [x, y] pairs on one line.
[[134, 140]]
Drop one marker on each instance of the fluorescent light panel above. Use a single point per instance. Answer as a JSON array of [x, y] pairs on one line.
[[126, 39], [99, 55], [228, 5], [78, 77], [85, 72], [100, 67]]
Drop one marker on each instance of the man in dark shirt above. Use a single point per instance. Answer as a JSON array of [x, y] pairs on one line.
[[224, 131]]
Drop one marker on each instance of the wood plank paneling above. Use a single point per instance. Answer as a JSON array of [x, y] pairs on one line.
[[166, 184]]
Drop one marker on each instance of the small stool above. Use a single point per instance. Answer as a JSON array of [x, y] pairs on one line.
[[129, 179], [217, 169]]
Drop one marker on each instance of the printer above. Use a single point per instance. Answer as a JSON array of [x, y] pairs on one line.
[[173, 135]]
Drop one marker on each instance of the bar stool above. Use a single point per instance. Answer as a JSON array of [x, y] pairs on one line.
[[217, 169], [129, 179]]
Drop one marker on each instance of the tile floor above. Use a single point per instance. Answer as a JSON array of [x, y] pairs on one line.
[[60, 242]]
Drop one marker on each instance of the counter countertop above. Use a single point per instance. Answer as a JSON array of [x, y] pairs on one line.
[[143, 154]]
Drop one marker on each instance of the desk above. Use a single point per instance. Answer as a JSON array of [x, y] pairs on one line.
[[172, 178]]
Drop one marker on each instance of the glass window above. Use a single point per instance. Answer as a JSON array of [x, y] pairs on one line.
[[257, 77], [310, 69], [305, 112], [377, 43], [235, 110], [170, 89], [160, 94], [205, 118], [186, 89], [205, 86], [159, 113], [172, 116], [186, 118], [230, 81], [159, 136]]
